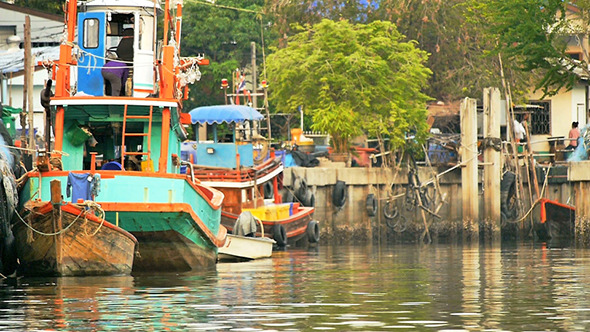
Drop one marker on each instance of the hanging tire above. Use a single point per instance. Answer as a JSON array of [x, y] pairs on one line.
[[279, 235], [300, 188], [268, 190], [371, 205], [309, 199], [339, 194], [313, 232]]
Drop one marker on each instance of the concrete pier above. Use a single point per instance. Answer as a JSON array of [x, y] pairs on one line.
[[352, 222]]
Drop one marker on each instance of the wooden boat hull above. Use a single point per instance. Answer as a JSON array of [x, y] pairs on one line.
[[295, 226], [86, 245], [557, 220], [242, 247]]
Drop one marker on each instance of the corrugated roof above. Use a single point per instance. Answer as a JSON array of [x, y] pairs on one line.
[[12, 62]]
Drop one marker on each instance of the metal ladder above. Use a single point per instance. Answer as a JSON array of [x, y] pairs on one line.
[[126, 134]]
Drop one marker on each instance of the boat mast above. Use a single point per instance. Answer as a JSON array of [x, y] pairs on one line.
[[62, 85]]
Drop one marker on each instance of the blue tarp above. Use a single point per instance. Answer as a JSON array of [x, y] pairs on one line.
[[224, 113]]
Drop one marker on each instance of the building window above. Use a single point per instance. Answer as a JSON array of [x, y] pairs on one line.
[[91, 30], [540, 121]]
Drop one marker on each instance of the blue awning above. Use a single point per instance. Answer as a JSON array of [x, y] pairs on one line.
[[224, 113]]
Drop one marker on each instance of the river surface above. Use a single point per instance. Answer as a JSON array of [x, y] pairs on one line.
[[526, 287]]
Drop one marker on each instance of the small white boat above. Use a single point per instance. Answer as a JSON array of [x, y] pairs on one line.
[[238, 246]]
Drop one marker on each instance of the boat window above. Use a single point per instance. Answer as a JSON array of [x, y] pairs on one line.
[[91, 33]]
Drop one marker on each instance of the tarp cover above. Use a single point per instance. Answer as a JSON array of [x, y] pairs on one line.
[[224, 113]]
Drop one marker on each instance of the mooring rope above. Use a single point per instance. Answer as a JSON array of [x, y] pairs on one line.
[[48, 234]]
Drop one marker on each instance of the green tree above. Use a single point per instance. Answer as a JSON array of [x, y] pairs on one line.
[[533, 36], [48, 6], [352, 77], [223, 35]]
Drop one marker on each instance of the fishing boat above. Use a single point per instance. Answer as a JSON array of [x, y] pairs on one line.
[[66, 239], [129, 142], [557, 220], [243, 243], [227, 163]]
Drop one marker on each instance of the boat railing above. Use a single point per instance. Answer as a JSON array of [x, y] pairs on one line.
[[225, 174]]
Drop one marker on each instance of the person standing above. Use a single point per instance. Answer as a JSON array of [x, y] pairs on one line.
[[115, 73], [519, 132], [573, 136]]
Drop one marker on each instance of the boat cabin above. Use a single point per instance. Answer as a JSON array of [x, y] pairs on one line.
[[139, 128], [224, 136], [122, 31]]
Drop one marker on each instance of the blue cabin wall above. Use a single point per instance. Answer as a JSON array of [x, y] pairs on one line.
[[223, 154], [92, 41]]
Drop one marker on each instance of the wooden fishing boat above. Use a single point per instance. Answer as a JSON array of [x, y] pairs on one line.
[[247, 246], [557, 220], [65, 239], [131, 143], [229, 167]]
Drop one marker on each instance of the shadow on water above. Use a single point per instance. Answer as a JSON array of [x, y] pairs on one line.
[[509, 286]]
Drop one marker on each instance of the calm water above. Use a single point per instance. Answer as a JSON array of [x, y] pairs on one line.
[[343, 288]]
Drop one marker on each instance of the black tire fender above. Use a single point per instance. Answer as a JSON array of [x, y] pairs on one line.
[[313, 232], [279, 235], [268, 190], [371, 205], [339, 194]]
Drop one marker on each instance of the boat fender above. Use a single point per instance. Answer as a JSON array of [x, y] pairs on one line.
[[313, 232], [300, 188], [279, 235], [309, 199], [371, 205], [339, 194], [268, 190]]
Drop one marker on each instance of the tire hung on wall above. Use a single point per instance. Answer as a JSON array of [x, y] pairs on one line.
[[268, 190], [313, 232], [339, 194], [371, 205], [279, 235], [309, 199]]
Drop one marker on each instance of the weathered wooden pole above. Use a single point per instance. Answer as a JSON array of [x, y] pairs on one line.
[[469, 179], [29, 72], [254, 78], [493, 159], [26, 78]]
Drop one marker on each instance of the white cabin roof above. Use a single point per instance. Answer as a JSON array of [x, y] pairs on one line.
[[122, 3]]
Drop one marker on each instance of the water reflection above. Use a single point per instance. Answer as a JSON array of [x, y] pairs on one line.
[[438, 288]]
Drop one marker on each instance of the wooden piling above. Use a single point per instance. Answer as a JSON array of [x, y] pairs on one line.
[[492, 172], [468, 152]]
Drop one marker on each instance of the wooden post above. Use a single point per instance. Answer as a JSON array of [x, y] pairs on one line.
[[469, 179], [492, 173], [27, 77], [29, 82], [254, 79], [56, 197]]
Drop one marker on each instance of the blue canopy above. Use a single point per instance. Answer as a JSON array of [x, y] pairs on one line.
[[224, 113]]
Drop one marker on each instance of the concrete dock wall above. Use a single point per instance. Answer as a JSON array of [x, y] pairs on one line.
[[352, 222]]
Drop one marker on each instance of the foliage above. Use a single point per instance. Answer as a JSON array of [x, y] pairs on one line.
[[352, 77], [224, 37], [48, 6], [533, 35]]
